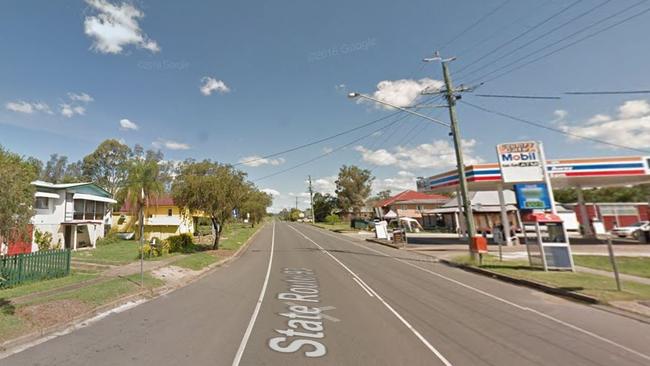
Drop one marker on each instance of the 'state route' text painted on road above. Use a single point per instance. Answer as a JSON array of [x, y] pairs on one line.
[[305, 323]]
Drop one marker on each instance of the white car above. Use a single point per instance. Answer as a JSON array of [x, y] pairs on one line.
[[630, 231]]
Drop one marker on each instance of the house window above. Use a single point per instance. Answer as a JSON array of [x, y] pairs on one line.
[[169, 212], [99, 210], [79, 209], [41, 203], [89, 212]]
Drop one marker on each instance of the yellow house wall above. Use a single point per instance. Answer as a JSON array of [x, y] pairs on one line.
[[151, 231]]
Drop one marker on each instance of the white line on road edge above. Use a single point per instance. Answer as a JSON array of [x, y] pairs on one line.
[[251, 323], [524, 308], [363, 287], [116, 310], [404, 321]]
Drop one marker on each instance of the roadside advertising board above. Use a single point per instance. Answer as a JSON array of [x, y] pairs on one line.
[[520, 162]]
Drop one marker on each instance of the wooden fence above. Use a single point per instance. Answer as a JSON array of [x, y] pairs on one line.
[[15, 269]]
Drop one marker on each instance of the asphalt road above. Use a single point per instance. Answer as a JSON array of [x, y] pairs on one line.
[[301, 295]]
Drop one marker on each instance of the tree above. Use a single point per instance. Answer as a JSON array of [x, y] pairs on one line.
[[108, 165], [17, 193], [255, 204], [324, 205], [294, 214], [54, 170], [284, 214], [142, 186], [353, 187], [210, 188], [384, 195]]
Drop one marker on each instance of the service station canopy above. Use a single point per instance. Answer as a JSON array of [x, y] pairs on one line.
[[564, 173]]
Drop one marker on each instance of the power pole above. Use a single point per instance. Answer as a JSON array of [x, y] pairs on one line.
[[450, 95], [311, 202], [296, 202]]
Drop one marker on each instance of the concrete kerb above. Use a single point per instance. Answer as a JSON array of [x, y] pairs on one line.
[[385, 243], [142, 295]]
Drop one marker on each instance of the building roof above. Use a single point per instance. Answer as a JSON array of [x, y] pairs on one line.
[[40, 183], [158, 201], [485, 198], [413, 196]]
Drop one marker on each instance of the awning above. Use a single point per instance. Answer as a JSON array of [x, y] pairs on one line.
[[47, 195], [90, 197], [390, 215]]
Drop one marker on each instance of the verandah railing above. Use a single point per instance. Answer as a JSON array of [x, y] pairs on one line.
[[16, 269]]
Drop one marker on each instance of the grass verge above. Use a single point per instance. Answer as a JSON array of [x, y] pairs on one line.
[[195, 261], [338, 227], [120, 252], [636, 266], [600, 287]]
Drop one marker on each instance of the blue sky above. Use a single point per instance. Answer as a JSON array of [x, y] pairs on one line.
[[276, 75]]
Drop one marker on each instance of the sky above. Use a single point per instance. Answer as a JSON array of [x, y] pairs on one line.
[[235, 81]]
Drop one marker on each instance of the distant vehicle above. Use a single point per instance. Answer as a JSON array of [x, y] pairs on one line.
[[407, 224], [631, 231]]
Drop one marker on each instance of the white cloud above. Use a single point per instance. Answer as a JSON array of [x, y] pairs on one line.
[[403, 92], [256, 160], [301, 194], [439, 154], [325, 184], [68, 110], [634, 109], [560, 114], [271, 192], [170, 144], [126, 124], [395, 184], [82, 97], [22, 106], [631, 127], [115, 27], [209, 84], [327, 149]]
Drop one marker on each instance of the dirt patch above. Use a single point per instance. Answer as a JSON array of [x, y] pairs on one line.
[[53, 312], [222, 253], [173, 274]]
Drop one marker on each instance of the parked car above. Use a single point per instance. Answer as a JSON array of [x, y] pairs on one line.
[[631, 231], [406, 223]]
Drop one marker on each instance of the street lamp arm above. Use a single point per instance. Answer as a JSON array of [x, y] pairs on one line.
[[359, 95]]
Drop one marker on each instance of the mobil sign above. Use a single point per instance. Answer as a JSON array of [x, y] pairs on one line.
[[520, 162]]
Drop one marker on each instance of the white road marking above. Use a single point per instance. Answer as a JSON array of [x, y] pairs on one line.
[[251, 323], [508, 302], [322, 309], [400, 317], [124, 307], [363, 287]]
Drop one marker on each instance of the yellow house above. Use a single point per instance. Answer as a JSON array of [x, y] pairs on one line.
[[162, 219]]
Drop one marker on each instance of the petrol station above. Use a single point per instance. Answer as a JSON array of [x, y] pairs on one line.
[[520, 168]]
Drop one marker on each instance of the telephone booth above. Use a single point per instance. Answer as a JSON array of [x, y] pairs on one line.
[[547, 242]]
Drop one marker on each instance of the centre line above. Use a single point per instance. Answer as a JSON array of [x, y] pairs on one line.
[[251, 323], [387, 305]]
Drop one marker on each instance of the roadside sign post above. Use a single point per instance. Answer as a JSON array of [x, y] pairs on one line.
[[612, 259]]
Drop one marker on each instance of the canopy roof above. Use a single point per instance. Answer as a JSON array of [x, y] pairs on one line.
[[564, 173]]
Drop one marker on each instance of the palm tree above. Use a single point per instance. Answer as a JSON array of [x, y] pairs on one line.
[[142, 186]]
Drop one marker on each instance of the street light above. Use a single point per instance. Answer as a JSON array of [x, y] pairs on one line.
[[460, 165], [359, 95]]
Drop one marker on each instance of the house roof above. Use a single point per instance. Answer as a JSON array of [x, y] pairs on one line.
[[412, 196], [48, 185], [158, 201], [485, 198]]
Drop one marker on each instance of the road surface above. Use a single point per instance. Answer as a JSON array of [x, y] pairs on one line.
[[301, 295]]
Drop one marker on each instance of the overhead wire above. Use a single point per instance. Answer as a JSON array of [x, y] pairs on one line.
[[543, 35], [546, 127], [590, 35]]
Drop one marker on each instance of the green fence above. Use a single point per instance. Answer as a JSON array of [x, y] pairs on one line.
[[15, 269]]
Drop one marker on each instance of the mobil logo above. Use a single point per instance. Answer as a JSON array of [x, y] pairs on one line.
[[517, 157]]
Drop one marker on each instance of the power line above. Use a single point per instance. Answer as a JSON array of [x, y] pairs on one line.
[[515, 96], [546, 127], [546, 20], [330, 152], [474, 25], [545, 34], [624, 20], [608, 92], [318, 141]]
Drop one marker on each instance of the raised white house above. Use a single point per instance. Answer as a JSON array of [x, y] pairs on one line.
[[75, 213]]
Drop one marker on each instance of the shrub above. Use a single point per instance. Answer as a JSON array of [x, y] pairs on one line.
[[180, 243], [332, 219], [108, 239], [43, 239], [145, 251]]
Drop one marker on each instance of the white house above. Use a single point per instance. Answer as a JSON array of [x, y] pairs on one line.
[[75, 213]]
